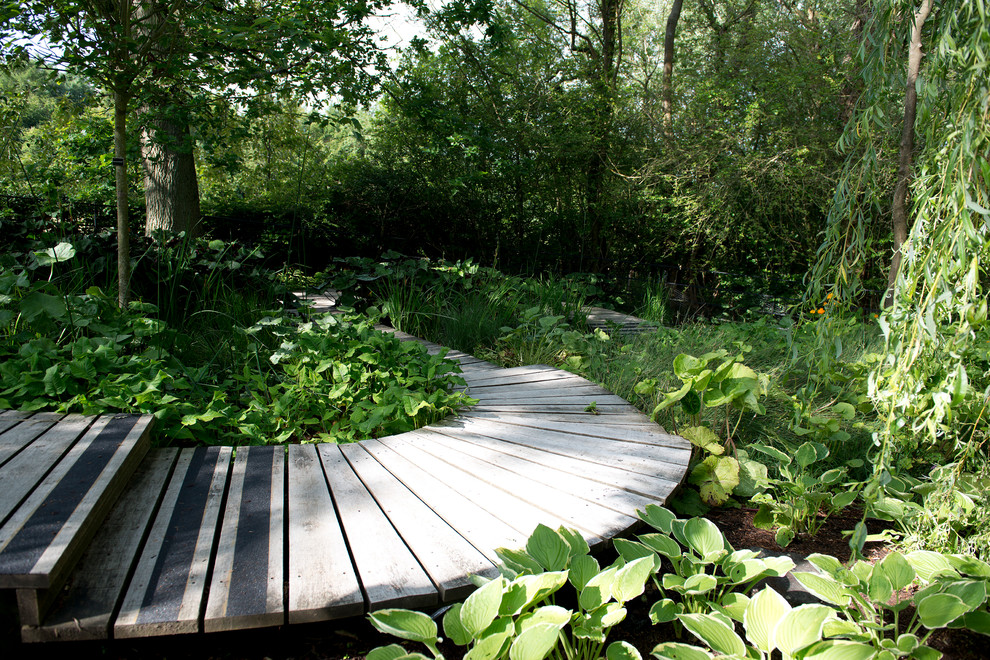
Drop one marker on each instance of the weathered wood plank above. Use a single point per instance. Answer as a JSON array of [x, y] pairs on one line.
[[551, 470], [583, 400], [322, 581], [636, 457], [25, 430], [166, 594], [447, 557], [9, 419], [573, 385], [556, 500], [533, 375], [575, 408], [643, 436], [512, 508], [390, 574], [247, 586], [656, 487], [42, 542], [480, 527], [23, 472], [94, 589], [626, 420]]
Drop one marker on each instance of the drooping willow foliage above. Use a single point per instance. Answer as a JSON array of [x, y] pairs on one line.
[[932, 386]]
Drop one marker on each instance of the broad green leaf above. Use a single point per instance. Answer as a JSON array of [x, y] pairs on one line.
[[825, 588], [977, 622], [671, 398], [583, 568], [897, 570], [598, 591], [764, 611], [665, 610], [405, 624], [939, 610], [630, 580], [845, 410], [772, 452], [548, 614], [716, 477], [548, 548], [734, 605], [840, 649], [58, 254], [630, 550], [481, 607], [519, 561], [390, 652], [687, 366], [799, 627], [699, 584], [879, 587], [678, 651], [713, 632], [805, 454], [749, 569], [752, 476], [37, 304], [490, 647], [622, 651], [969, 565], [526, 590], [703, 438], [662, 544], [826, 563], [927, 563], [657, 517], [579, 546], [778, 566], [703, 537], [972, 592], [453, 628]]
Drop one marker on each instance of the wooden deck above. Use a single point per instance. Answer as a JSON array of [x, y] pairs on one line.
[[213, 539], [608, 320]]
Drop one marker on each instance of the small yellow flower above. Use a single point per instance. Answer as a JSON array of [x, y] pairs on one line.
[[828, 297]]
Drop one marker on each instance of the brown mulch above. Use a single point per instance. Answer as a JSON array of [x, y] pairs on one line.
[[351, 639]]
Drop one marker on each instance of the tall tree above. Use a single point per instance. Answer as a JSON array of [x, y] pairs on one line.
[[134, 49]]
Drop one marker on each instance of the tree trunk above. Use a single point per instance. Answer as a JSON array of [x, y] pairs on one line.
[[668, 65], [899, 210], [120, 102], [171, 190]]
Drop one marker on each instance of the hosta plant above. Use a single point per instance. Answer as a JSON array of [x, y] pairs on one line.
[[708, 573], [515, 615]]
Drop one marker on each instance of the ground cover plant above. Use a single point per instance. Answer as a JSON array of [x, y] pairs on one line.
[[223, 371]]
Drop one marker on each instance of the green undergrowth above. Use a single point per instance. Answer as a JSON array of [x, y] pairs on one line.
[[217, 379]]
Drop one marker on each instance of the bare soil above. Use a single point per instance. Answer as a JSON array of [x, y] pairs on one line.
[[349, 639]]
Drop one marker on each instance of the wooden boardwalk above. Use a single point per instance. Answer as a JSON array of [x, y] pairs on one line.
[[213, 539], [608, 320]]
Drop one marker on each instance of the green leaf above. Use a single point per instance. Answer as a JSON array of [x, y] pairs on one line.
[[548, 548], [678, 651], [548, 614], [526, 590], [665, 610], [687, 366], [630, 580], [840, 649], [662, 544], [764, 611], [897, 570], [598, 591], [583, 568], [492, 645], [58, 254], [716, 477], [702, 536], [697, 585], [579, 546], [800, 627], [805, 455], [939, 610], [713, 632], [405, 624], [534, 643], [824, 588], [37, 304], [704, 438], [734, 605], [390, 652], [927, 563], [453, 628], [657, 517], [622, 651], [481, 607]]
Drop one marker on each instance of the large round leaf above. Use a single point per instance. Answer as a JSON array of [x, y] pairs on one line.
[[481, 607], [702, 536], [622, 651], [939, 610], [799, 628], [548, 548]]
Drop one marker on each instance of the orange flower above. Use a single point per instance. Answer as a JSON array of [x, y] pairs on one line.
[[821, 310], [828, 297]]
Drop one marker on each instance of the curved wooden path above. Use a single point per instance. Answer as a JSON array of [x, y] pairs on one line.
[[217, 539]]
